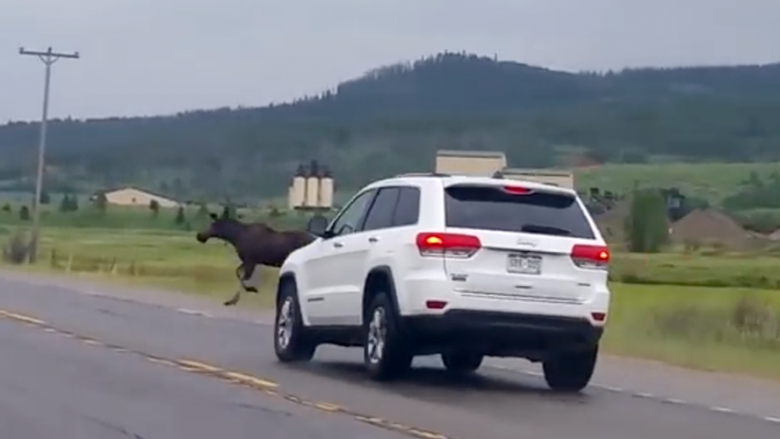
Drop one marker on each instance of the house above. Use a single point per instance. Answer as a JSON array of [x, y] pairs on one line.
[[475, 163], [130, 196]]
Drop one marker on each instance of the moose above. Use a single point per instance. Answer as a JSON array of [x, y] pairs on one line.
[[255, 244]]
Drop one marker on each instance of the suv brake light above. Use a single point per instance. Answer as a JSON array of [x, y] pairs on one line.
[[594, 257], [450, 245], [517, 190]]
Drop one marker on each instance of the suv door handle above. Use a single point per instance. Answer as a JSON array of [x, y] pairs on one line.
[[338, 245], [373, 239]]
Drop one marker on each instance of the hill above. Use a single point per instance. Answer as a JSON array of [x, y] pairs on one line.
[[397, 116]]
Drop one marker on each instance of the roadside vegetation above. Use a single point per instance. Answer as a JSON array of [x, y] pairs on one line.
[[704, 307]]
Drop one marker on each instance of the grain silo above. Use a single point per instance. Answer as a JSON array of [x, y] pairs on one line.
[[474, 163], [326, 188], [298, 189], [312, 186]]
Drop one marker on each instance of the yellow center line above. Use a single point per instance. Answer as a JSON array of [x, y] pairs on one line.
[[266, 386]]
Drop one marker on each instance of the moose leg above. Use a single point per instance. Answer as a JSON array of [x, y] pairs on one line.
[[233, 300], [243, 273], [248, 272], [237, 296]]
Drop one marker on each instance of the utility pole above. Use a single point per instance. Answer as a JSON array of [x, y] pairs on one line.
[[48, 58]]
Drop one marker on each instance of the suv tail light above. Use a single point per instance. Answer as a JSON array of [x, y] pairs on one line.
[[450, 245], [594, 257]]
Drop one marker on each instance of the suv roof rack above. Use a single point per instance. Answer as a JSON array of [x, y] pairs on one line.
[[423, 174]]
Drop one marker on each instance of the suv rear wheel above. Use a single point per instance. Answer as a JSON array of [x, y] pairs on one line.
[[290, 341], [384, 352], [570, 371], [461, 362]]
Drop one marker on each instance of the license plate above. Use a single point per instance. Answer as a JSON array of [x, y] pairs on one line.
[[524, 264]]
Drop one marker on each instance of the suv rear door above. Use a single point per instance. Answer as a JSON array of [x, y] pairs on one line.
[[526, 242]]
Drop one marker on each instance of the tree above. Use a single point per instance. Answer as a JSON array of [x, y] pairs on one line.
[[180, 218], [154, 206], [6, 208], [65, 203], [73, 205], [101, 202], [203, 211], [24, 213], [228, 211], [646, 226], [45, 198], [633, 116]]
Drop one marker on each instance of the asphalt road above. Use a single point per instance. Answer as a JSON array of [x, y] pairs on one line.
[[57, 386], [52, 387]]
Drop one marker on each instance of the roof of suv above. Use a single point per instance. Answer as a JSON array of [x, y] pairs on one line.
[[447, 180]]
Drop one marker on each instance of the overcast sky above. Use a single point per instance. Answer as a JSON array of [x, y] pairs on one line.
[[144, 57]]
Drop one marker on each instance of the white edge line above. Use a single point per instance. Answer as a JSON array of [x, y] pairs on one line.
[[772, 419], [610, 388], [192, 312]]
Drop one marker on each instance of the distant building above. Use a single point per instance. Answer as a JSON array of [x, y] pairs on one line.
[[474, 163], [130, 196], [494, 164], [553, 177]]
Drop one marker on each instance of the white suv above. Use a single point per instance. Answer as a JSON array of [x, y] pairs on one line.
[[465, 267]]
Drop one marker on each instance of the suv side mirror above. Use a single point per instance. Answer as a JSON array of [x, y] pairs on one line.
[[317, 225]]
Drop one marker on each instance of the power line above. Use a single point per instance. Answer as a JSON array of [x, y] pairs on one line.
[[48, 58]]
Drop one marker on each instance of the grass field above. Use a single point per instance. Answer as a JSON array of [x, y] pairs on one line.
[[118, 217], [718, 329], [734, 326], [711, 181]]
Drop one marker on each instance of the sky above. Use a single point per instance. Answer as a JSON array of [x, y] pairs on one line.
[[148, 57]]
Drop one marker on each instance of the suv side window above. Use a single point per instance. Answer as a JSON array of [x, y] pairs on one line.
[[348, 221], [380, 216], [407, 210]]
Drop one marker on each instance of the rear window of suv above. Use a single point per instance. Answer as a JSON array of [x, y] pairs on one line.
[[491, 208]]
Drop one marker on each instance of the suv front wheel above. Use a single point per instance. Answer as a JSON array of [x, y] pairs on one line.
[[384, 352], [290, 341]]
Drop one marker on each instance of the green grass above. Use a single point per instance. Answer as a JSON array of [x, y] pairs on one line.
[[704, 269], [723, 329], [735, 327], [712, 181], [161, 258], [118, 217]]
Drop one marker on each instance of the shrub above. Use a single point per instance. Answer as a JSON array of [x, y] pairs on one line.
[[17, 249]]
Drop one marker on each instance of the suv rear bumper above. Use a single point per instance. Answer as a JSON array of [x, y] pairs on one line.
[[499, 333]]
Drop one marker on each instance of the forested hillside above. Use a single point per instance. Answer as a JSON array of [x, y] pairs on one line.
[[394, 118]]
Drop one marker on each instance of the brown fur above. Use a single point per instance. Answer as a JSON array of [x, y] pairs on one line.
[[256, 244]]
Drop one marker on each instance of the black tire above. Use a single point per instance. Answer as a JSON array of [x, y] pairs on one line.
[[299, 348], [462, 362], [570, 371], [393, 359]]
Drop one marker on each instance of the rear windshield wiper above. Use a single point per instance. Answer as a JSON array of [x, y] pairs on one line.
[[544, 230]]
